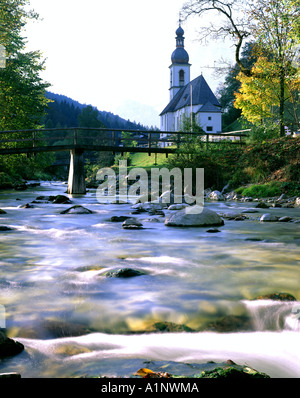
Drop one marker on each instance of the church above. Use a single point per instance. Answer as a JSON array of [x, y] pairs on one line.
[[188, 96]]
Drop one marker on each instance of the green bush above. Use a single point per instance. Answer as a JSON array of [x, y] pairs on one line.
[[261, 191], [263, 133]]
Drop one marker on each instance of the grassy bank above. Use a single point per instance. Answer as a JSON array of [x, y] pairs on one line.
[[261, 169]]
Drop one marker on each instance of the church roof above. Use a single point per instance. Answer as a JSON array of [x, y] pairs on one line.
[[209, 107], [202, 95], [180, 56]]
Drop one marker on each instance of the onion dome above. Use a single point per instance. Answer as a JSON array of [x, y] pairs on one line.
[[180, 55]]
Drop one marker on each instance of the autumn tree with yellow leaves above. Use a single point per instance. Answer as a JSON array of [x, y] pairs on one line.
[[271, 87]]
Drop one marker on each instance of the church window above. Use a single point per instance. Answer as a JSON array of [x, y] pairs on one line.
[[181, 77], [209, 128]]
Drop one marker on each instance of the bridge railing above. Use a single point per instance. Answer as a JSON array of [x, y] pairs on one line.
[[103, 139]]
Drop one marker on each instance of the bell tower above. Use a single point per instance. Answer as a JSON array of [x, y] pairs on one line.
[[180, 67]]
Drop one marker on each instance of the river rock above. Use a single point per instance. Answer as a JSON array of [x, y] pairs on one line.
[[147, 206], [267, 217], [213, 230], [285, 219], [169, 327], [61, 199], [119, 218], [9, 347], [26, 206], [230, 323], [178, 206], [233, 372], [297, 202], [231, 216], [2, 211], [77, 209], [124, 273], [57, 329], [277, 297], [154, 212], [216, 195], [132, 223], [262, 205], [194, 216], [4, 228]]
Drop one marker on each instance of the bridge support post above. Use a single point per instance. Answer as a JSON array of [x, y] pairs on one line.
[[76, 181]]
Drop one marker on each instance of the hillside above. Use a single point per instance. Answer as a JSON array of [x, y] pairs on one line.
[[64, 112]]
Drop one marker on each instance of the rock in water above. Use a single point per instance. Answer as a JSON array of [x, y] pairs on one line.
[[267, 217], [194, 216], [132, 223], [61, 199], [124, 273], [9, 347], [216, 195], [76, 210]]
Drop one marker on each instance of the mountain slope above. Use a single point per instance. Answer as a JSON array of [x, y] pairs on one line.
[[64, 111]]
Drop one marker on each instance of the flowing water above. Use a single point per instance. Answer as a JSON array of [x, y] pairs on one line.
[[74, 320]]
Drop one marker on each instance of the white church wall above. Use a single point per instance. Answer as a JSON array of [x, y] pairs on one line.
[[211, 122]]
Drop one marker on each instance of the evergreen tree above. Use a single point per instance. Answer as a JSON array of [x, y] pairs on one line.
[[22, 91]]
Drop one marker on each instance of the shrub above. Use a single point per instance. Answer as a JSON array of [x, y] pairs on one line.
[[262, 191]]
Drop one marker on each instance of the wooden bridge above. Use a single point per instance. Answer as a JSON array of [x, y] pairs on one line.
[[80, 139]]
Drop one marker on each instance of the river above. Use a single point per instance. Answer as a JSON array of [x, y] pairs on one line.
[[52, 274]]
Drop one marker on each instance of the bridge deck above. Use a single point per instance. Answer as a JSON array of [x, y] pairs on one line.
[[102, 140]]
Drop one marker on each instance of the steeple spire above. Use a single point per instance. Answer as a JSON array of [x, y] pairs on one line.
[[180, 67]]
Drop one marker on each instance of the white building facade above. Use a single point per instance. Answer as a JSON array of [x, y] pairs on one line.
[[188, 97]]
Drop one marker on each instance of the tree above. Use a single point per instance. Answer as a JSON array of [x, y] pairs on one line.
[[260, 94], [235, 26], [273, 24], [231, 85], [22, 91]]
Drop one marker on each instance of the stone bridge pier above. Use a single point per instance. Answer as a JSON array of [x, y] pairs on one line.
[[76, 180]]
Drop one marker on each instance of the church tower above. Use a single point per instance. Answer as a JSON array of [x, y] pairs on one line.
[[180, 67]]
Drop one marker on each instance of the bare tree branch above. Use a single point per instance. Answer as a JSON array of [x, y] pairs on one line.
[[236, 28]]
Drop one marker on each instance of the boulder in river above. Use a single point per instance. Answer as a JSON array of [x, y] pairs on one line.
[[9, 347], [216, 195], [194, 216], [4, 228], [267, 217], [124, 273], [262, 205], [119, 218], [61, 199], [178, 206], [132, 223], [77, 209], [297, 202], [2, 211], [26, 206]]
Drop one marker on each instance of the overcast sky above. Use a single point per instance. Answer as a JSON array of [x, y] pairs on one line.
[[115, 54]]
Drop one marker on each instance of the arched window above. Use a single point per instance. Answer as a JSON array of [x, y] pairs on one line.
[[181, 77]]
